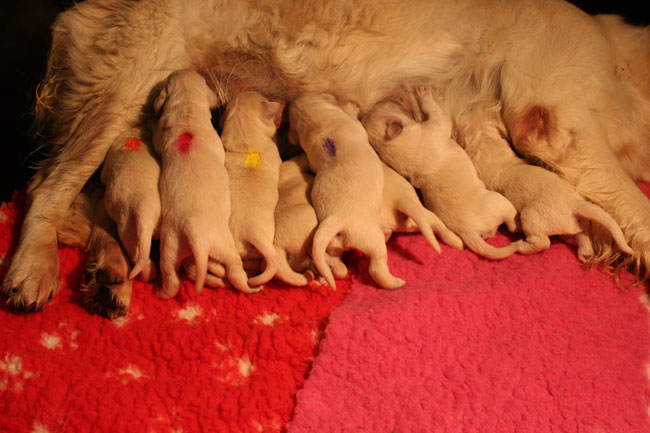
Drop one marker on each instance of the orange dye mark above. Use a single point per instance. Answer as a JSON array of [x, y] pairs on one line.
[[132, 144]]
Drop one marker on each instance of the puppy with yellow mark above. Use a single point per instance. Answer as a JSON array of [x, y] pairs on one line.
[[194, 190], [253, 165], [348, 189]]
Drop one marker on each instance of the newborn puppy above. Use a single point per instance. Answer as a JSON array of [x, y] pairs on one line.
[[194, 190], [348, 187], [403, 212], [295, 224], [131, 174], [253, 166], [558, 209], [433, 162]]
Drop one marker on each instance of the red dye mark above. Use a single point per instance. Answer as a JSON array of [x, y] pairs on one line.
[[184, 142], [132, 144]]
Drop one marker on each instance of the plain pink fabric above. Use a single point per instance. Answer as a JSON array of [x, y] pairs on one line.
[[528, 344]]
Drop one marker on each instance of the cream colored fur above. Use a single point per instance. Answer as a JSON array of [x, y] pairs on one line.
[[194, 188], [131, 173], [490, 62], [348, 188], [253, 166]]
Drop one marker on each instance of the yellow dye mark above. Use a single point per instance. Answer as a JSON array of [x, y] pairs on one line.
[[253, 159]]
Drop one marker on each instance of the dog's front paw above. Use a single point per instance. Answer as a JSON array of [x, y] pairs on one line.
[[33, 276], [423, 92]]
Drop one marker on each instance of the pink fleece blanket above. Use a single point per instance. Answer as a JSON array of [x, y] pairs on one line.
[[528, 344]]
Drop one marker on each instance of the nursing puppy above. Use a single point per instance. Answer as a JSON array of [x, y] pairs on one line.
[[558, 85], [194, 191], [403, 212], [348, 187], [426, 154], [131, 174], [253, 166]]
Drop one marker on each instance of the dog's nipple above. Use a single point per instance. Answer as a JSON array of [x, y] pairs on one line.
[[329, 146]]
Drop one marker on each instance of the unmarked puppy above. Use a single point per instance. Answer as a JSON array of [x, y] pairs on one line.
[[253, 166], [558, 209], [295, 224], [131, 174], [426, 154], [403, 212], [348, 188], [194, 190]]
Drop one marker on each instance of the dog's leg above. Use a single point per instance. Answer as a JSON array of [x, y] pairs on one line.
[[107, 289]]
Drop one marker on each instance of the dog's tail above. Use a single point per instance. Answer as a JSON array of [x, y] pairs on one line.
[[265, 247], [284, 271], [477, 244], [594, 213], [324, 234]]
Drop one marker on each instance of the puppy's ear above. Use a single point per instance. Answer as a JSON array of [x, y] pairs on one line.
[[293, 137], [394, 127], [273, 111], [159, 103], [213, 100]]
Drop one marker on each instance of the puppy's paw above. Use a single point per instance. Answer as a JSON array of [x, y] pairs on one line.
[[33, 276], [107, 290], [423, 92]]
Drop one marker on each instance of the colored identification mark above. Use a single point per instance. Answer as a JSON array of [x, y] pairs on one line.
[[184, 142], [132, 144], [253, 159], [329, 146]]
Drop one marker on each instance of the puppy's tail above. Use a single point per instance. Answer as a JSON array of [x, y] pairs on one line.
[[143, 250], [324, 234], [594, 213], [285, 273], [270, 258], [478, 245], [200, 251]]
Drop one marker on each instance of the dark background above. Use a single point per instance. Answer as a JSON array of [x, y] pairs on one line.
[[24, 47]]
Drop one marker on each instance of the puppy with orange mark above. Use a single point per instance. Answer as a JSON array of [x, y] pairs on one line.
[[348, 187], [194, 189], [426, 154], [131, 173], [253, 165]]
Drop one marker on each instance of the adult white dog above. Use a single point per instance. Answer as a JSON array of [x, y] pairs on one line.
[[567, 89]]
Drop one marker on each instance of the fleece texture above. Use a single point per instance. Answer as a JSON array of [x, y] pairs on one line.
[[525, 345], [219, 361]]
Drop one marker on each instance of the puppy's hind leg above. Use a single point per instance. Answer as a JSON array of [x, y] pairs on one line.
[[107, 289], [375, 248]]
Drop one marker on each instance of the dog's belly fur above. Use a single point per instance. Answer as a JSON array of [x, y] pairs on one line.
[[539, 72]]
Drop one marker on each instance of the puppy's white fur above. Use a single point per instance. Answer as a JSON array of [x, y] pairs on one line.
[[348, 189], [253, 166], [131, 174], [194, 189], [490, 62], [426, 154]]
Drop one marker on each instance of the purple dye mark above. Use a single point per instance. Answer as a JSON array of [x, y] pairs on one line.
[[184, 142], [329, 146]]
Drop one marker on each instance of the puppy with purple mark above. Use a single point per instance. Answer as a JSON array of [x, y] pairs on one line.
[[194, 188], [131, 173], [347, 194], [426, 154]]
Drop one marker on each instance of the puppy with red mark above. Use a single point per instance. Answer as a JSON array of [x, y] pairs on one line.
[[131, 173], [194, 189], [253, 165], [348, 187], [426, 154]]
